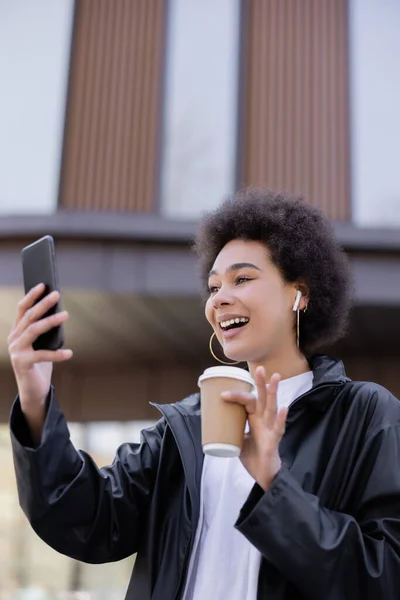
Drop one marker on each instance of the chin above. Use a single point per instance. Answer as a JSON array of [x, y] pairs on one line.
[[239, 354], [243, 353]]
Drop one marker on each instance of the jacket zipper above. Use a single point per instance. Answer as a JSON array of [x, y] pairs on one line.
[[317, 388], [182, 580]]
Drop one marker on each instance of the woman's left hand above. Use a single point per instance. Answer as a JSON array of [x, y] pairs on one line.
[[260, 455]]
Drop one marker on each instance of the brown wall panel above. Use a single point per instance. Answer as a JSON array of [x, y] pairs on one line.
[[296, 115], [115, 393], [110, 392], [113, 112]]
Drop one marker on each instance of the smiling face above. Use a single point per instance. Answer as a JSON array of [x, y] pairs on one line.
[[250, 306]]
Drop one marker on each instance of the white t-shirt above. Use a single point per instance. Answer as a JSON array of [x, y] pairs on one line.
[[223, 563]]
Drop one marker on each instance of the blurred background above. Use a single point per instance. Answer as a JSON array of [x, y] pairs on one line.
[[121, 122]]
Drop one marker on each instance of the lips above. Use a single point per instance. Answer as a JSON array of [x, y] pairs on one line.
[[231, 333]]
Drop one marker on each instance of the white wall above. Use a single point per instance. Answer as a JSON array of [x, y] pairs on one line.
[[35, 39], [375, 111]]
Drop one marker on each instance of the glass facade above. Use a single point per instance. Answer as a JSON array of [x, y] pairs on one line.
[[375, 111], [200, 111], [35, 40]]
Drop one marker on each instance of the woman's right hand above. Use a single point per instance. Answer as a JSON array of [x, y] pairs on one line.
[[33, 368]]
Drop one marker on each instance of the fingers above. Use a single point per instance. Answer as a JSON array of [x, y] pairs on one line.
[[52, 355], [35, 329], [22, 361], [249, 401], [29, 325], [30, 357], [280, 425], [27, 301], [265, 403], [260, 380], [28, 312], [271, 404]]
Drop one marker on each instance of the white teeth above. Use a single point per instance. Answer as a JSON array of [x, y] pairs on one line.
[[234, 321]]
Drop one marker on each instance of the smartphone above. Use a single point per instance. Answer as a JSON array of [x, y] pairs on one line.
[[39, 266]]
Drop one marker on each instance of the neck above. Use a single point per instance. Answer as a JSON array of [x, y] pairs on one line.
[[291, 364]]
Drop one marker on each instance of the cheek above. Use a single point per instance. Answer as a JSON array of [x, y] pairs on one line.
[[209, 311], [273, 311]]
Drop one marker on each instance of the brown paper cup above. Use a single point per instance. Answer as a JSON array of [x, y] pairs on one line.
[[223, 423]]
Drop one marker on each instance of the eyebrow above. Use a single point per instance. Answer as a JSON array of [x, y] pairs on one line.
[[236, 267]]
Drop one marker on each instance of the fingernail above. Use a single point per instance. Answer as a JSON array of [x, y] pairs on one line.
[[226, 395], [65, 352]]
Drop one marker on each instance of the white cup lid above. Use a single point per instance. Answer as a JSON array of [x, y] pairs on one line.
[[230, 372]]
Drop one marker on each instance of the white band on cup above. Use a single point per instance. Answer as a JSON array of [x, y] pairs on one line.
[[221, 450]]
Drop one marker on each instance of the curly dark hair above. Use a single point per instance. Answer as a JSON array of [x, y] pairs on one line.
[[301, 244]]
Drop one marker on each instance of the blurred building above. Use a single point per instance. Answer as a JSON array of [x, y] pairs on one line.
[[122, 121]]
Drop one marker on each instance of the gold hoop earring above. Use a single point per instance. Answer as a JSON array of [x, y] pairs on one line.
[[216, 357]]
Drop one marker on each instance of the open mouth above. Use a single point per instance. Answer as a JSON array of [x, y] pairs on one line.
[[234, 323]]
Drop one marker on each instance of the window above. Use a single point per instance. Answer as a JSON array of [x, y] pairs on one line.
[[200, 112], [375, 112], [34, 59]]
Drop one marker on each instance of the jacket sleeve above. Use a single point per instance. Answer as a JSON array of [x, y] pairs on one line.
[[328, 554], [90, 514]]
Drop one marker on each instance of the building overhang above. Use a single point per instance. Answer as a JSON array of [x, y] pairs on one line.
[[148, 227], [122, 274]]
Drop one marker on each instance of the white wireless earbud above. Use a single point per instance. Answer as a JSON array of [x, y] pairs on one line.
[[297, 301]]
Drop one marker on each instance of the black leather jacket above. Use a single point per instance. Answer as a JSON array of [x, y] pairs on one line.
[[328, 528]]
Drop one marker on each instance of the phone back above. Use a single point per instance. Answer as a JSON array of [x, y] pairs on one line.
[[39, 266]]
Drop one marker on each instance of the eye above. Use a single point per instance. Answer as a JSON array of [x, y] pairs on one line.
[[213, 289], [241, 279]]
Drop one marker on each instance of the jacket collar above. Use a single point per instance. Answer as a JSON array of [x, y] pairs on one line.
[[327, 372], [329, 376]]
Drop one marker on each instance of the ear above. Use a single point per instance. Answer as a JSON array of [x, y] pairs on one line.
[[302, 287]]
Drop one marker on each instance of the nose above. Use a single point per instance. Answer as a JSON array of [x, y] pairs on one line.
[[222, 298]]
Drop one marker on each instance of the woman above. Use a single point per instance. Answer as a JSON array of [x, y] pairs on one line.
[[311, 509]]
